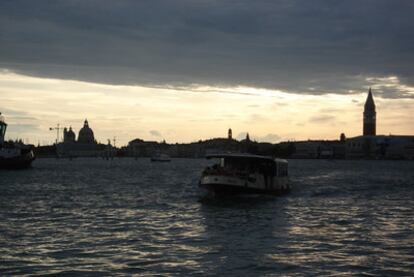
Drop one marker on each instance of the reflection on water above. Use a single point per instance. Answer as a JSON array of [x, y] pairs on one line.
[[127, 217]]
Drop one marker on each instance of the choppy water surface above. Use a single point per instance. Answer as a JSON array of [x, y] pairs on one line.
[[126, 217]]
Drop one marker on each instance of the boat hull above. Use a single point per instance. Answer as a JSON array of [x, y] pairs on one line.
[[160, 160], [19, 162], [220, 185], [223, 189]]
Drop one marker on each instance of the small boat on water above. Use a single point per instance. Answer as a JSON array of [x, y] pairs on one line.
[[245, 173], [13, 155], [160, 158]]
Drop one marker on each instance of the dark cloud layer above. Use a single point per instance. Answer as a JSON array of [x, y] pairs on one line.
[[296, 45]]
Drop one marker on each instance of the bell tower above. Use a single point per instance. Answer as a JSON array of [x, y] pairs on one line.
[[370, 120]]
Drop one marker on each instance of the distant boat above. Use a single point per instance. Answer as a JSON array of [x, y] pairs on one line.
[[245, 173], [160, 158], [13, 155]]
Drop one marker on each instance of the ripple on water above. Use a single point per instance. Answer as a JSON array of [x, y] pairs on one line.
[[125, 217]]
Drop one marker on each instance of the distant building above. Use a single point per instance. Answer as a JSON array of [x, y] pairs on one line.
[[319, 149], [380, 147], [68, 135], [141, 148], [86, 134], [306, 150], [370, 121], [230, 134], [85, 146], [401, 147], [373, 146], [361, 147]]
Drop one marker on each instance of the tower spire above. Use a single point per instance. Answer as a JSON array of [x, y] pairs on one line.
[[369, 127]]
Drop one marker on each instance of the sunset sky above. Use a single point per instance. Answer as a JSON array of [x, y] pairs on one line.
[[189, 70]]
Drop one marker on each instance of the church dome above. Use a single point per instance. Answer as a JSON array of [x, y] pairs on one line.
[[68, 135], [70, 132], [86, 134]]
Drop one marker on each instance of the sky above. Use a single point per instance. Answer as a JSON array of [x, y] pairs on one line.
[[189, 70]]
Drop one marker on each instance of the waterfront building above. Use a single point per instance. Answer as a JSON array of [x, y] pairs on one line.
[[319, 149], [380, 147]]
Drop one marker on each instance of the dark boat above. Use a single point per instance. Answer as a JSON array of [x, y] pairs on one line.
[[246, 174], [13, 155]]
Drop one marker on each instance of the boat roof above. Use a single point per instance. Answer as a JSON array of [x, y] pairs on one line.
[[245, 156]]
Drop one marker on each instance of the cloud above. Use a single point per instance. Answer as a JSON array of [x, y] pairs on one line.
[[19, 121], [155, 133], [273, 138], [322, 118], [330, 110], [253, 106], [255, 118], [270, 138], [14, 113], [390, 87], [22, 128], [311, 47]]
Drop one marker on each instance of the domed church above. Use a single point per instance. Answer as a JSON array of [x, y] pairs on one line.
[[85, 146], [86, 134], [68, 135]]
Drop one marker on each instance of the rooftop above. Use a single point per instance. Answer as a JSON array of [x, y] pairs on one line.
[[243, 156]]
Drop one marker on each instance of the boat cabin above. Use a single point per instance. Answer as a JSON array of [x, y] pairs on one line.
[[245, 164]]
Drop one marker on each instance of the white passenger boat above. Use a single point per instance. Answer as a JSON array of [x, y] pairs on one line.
[[245, 173], [12, 155]]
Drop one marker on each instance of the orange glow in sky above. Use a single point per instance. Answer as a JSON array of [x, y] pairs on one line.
[[31, 105]]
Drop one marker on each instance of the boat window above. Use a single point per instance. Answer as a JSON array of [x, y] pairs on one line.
[[250, 165], [282, 169], [222, 162]]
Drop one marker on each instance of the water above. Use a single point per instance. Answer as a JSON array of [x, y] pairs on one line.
[[127, 217]]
